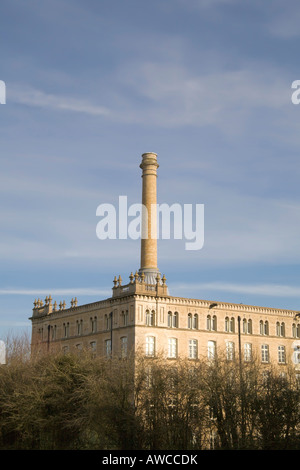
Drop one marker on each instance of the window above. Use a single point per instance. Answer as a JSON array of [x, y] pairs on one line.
[[53, 332], [193, 349], [108, 321], [264, 327], [229, 325], [280, 329], [108, 350], [124, 346], [173, 320], [172, 347], [296, 355], [150, 318], [230, 351], [79, 327], [211, 323], [247, 352], [124, 318], [211, 349], [265, 353], [247, 326], [281, 354], [150, 346], [93, 347], [66, 329], [93, 324], [193, 321], [296, 330]]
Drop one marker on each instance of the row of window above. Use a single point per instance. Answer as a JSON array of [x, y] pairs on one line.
[[211, 350], [173, 322], [230, 324], [172, 352]]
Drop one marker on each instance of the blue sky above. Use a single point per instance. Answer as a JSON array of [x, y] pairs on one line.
[[90, 86]]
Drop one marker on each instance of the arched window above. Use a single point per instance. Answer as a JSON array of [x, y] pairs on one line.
[[66, 330], [93, 324], [277, 328], [247, 326], [150, 317], [195, 322], [264, 327], [79, 327], [190, 321], [211, 323], [172, 320], [108, 321], [296, 330], [229, 325]]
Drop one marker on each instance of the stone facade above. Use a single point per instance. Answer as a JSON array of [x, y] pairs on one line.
[[141, 317]]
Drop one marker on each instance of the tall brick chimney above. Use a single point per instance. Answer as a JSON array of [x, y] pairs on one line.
[[149, 267]]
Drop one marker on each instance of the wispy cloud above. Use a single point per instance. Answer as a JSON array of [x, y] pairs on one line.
[[33, 97], [92, 291]]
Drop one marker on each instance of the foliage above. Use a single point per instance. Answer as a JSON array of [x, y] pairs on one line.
[[83, 402]]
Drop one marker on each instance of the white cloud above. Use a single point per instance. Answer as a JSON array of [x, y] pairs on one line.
[[62, 291], [33, 97]]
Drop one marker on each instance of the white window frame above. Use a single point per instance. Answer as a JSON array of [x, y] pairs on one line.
[[193, 349], [172, 348], [150, 346]]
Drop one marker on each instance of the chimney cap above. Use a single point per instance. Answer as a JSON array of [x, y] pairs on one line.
[[149, 153]]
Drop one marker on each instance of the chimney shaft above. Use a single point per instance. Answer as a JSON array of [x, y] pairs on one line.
[[149, 166]]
